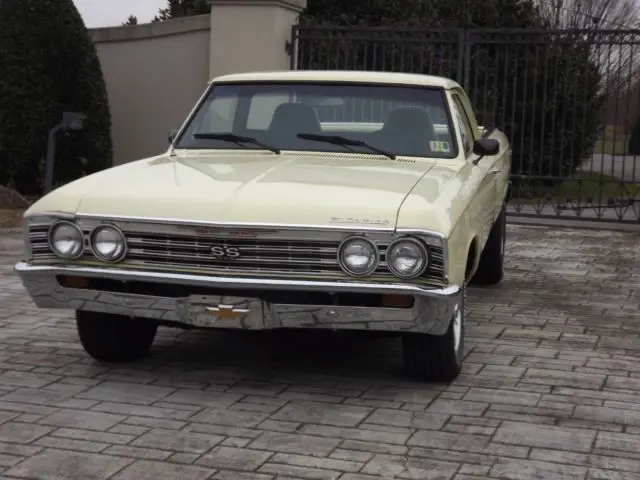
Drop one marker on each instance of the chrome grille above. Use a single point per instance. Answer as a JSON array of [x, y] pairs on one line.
[[257, 255]]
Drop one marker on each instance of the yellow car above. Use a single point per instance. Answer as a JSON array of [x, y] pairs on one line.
[[295, 199]]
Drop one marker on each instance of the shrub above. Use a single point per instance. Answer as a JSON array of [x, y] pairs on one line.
[[544, 93], [49, 65]]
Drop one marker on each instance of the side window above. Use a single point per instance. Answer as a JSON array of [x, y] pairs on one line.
[[465, 125]]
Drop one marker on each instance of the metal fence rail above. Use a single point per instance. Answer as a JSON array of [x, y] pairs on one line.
[[568, 101]]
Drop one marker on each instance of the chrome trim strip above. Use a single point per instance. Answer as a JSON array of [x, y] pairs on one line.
[[420, 231], [53, 215], [257, 225], [237, 282], [189, 118], [26, 237]]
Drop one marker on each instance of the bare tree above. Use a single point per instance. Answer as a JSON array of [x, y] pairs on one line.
[[587, 14], [606, 28]]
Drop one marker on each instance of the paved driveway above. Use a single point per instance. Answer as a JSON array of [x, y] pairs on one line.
[[551, 388]]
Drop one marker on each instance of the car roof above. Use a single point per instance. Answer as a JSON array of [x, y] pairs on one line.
[[351, 76]]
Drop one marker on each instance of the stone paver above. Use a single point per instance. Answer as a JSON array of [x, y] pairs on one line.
[[550, 389]]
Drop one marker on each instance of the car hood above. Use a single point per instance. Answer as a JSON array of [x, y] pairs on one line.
[[241, 188]]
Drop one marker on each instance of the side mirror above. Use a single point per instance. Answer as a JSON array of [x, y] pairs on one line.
[[485, 146], [172, 135]]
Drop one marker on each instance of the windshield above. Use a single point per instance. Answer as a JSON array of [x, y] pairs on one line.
[[398, 120]]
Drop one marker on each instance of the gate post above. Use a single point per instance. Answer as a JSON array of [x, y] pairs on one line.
[[460, 66], [467, 41], [292, 47], [251, 35]]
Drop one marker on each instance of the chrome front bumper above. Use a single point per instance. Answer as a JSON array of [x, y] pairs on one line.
[[431, 313]]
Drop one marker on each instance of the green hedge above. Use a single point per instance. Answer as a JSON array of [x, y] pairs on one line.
[[49, 65]]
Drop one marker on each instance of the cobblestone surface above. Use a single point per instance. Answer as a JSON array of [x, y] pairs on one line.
[[550, 389]]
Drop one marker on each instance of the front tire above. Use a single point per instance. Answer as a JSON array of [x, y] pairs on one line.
[[491, 266], [436, 358], [115, 338]]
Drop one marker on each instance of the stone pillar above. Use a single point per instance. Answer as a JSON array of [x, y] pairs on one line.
[[251, 35]]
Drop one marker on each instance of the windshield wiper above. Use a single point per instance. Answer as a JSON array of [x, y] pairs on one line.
[[344, 142], [237, 139]]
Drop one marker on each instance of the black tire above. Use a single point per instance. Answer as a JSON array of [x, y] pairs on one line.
[[491, 266], [115, 338], [435, 358]]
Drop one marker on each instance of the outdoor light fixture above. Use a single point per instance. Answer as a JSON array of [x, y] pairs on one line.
[[70, 121]]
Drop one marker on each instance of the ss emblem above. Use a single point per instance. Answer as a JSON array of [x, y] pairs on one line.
[[225, 252]]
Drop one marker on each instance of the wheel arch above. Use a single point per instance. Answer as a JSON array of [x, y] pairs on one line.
[[473, 257]]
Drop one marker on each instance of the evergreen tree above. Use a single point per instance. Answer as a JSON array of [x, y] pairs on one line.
[[131, 20], [182, 8], [49, 65]]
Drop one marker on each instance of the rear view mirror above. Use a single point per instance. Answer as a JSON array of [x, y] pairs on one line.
[[172, 135]]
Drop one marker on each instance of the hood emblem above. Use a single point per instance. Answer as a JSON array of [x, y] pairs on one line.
[[226, 232], [224, 252], [227, 312]]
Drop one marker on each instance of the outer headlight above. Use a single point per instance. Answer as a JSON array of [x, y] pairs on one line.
[[407, 258], [108, 243], [66, 240], [358, 256]]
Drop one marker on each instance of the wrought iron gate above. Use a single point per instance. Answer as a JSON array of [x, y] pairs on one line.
[[568, 100]]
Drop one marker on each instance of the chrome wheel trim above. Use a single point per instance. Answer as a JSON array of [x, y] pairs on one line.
[[457, 329]]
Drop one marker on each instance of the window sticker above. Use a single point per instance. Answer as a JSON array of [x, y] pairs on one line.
[[440, 147]]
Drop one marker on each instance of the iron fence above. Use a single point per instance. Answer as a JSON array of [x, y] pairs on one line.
[[569, 101]]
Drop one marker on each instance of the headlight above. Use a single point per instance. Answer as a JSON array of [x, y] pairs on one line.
[[358, 256], [407, 258], [108, 243], [66, 240]]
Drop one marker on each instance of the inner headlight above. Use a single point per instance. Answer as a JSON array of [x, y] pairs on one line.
[[66, 240], [407, 258], [108, 243], [358, 256]]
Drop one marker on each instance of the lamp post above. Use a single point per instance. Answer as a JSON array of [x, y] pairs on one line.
[[70, 121]]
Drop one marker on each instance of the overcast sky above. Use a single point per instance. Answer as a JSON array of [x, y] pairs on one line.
[[110, 13]]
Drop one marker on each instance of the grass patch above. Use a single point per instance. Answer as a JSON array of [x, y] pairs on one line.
[[612, 146], [584, 187], [614, 141]]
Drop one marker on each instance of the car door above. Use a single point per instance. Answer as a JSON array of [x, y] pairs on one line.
[[483, 204]]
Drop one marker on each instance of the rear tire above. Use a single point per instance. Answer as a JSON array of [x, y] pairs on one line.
[[115, 338], [491, 266], [436, 358]]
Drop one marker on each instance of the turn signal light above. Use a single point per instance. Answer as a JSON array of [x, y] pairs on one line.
[[74, 282], [397, 301]]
